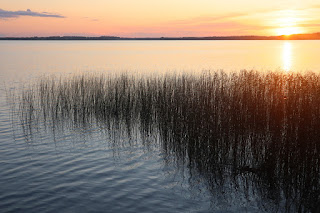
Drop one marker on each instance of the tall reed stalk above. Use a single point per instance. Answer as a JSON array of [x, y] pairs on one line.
[[262, 126]]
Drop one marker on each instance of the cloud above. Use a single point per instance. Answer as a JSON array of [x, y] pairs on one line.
[[91, 19], [309, 25], [236, 15], [5, 14], [208, 18]]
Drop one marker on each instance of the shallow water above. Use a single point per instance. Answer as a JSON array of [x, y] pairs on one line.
[[69, 166], [82, 169]]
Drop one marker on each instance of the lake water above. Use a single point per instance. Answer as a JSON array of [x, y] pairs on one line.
[[72, 167], [25, 58]]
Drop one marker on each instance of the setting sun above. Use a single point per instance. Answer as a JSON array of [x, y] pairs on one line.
[[287, 22], [288, 30]]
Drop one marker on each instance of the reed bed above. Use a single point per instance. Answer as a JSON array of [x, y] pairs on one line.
[[264, 127]]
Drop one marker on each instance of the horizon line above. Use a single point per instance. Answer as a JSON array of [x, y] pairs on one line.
[[304, 36]]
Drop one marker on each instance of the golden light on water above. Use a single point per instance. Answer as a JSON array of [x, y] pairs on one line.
[[287, 56]]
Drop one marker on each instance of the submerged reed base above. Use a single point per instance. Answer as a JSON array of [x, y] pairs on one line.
[[258, 131]]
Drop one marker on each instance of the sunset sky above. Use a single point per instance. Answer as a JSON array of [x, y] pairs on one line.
[[145, 18]]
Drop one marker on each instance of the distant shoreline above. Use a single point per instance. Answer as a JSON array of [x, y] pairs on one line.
[[313, 36]]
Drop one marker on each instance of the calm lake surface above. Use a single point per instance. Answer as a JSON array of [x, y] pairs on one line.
[[25, 58], [83, 167]]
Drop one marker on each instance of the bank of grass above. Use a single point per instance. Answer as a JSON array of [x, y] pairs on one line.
[[265, 125]]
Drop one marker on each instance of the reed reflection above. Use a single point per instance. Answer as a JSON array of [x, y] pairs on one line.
[[237, 131]]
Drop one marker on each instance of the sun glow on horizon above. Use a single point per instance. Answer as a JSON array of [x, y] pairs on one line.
[[288, 30], [158, 19], [287, 23]]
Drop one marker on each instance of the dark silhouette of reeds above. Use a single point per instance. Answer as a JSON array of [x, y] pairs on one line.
[[258, 130]]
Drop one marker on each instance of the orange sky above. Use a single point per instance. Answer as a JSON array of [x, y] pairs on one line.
[[158, 18]]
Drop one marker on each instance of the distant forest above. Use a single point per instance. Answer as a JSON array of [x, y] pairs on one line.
[[312, 36]]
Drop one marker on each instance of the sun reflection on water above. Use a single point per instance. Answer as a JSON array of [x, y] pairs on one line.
[[287, 56]]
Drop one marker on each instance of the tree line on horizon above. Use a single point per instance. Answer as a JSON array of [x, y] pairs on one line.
[[311, 36]]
